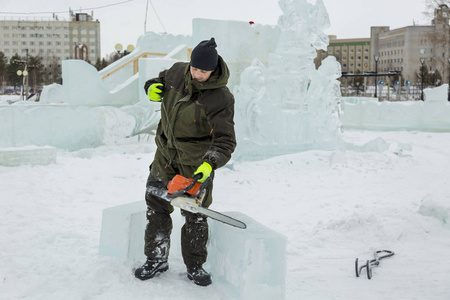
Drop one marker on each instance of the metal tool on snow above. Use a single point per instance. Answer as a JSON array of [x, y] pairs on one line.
[[373, 262]]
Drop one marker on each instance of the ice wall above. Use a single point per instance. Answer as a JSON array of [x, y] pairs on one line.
[[429, 115], [29, 155], [288, 105], [239, 43]]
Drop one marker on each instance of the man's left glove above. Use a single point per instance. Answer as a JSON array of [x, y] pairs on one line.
[[154, 92], [205, 169]]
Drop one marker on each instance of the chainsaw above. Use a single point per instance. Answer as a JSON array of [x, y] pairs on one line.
[[188, 194]]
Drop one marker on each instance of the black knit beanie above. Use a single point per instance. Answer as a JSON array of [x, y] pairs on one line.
[[204, 56]]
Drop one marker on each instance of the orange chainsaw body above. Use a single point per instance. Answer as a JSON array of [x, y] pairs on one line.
[[179, 183]]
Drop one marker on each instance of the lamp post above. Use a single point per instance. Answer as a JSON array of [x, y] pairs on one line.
[[448, 59], [376, 57], [422, 60], [119, 48], [23, 73]]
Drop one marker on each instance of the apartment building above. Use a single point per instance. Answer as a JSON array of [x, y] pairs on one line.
[[52, 40], [353, 54], [402, 49], [398, 49]]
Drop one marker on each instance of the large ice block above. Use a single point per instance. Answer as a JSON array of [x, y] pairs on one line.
[[29, 155], [249, 263], [122, 233], [246, 264]]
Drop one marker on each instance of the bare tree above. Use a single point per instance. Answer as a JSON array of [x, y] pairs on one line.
[[3, 65], [439, 13], [431, 5]]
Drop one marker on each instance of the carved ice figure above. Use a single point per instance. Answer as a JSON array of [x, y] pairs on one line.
[[289, 105], [252, 95], [325, 103]]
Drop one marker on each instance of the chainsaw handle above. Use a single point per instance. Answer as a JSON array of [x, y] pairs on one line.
[[197, 177]]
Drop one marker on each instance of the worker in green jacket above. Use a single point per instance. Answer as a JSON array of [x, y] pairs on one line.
[[195, 135]]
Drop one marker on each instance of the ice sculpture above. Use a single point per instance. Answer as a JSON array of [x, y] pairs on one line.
[[289, 105]]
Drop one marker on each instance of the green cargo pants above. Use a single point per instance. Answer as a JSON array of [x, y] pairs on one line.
[[195, 231]]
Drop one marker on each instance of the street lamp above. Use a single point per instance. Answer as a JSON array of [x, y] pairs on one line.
[[376, 57], [422, 60], [23, 73], [448, 59], [119, 48]]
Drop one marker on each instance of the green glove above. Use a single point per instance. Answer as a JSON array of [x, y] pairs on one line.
[[205, 169], [154, 92]]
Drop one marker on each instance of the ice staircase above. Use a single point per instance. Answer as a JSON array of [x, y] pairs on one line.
[[118, 84]]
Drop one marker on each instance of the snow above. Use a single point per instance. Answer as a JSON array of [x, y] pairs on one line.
[[333, 206]]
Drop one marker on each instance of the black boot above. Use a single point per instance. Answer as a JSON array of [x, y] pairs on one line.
[[199, 276], [150, 269]]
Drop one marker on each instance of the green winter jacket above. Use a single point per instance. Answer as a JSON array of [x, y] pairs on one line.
[[196, 118]]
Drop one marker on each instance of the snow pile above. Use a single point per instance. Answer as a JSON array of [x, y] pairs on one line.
[[436, 207]]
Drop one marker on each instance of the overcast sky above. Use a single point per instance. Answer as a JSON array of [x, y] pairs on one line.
[[123, 21]]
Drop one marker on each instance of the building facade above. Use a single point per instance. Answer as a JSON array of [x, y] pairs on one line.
[[51, 40], [398, 49], [402, 49], [353, 54]]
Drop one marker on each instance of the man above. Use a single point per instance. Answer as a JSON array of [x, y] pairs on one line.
[[195, 135]]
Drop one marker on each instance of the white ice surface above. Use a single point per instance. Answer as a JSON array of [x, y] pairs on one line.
[[332, 206]]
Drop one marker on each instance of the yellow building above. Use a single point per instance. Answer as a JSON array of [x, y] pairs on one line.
[[353, 54]]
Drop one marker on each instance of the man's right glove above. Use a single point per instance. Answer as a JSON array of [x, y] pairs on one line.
[[154, 92], [205, 169]]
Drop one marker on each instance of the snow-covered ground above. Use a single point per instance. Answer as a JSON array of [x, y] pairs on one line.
[[332, 206]]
